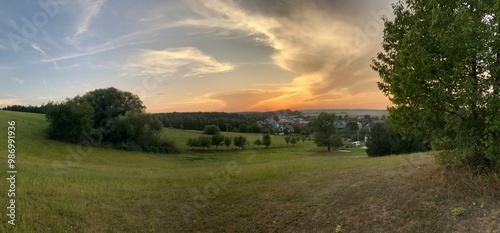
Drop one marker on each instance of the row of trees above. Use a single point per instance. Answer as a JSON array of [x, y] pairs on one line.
[[234, 122], [107, 117], [216, 140], [23, 108]]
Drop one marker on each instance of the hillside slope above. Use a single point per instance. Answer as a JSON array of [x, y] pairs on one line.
[[70, 188]]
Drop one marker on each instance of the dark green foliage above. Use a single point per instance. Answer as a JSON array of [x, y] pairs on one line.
[[384, 141], [293, 140], [324, 130], [254, 128], [217, 140], [211, 129], [69, 120], [240, 141], [122, 124], [193, 142], [266, 140], [227, 141], [110, 103], [258, 142], [205, 141], [22, 108], [351, 129], [303, 139], [287, 139], [440, 67]]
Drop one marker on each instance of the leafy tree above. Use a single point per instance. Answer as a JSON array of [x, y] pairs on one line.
[[69, 120], [384, 141], [211, 129], [257, 142], [254, 128], [193, 142], [217, 140], [351, 128], [227, 141], [324, 130], [303, 139], [293, 140], [440, 67], [243, 128], [204, 141], [240, 141], [266, 140], [287, 139], [109, 103]]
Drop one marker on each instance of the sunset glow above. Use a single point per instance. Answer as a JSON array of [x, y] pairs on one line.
[[195, 55]]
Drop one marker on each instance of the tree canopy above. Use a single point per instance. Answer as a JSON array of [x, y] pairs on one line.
[[107, 117], [440, 67], [324, 130]]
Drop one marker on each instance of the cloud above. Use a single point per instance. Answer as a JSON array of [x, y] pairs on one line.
[[248, 100], [9, 102], [17, 80], [178, 62], [90, 9], [328, 44]]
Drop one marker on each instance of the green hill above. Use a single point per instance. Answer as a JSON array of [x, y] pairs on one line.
[[69, 188]]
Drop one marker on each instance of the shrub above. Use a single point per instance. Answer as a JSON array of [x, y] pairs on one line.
[[211, 129], [240, 141], [266, 140]]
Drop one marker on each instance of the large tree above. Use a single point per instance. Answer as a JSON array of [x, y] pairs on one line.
[[440, 67], [324, 130], [109, 103]]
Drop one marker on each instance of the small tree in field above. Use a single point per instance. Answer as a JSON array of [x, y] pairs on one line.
[[193, 142], [257, 142], [324, 130], [287, 139], [293, 140], [303, 139], [217, 140], [266, 140], [227, 141], [240, 141], [211, 129], [205, 141]]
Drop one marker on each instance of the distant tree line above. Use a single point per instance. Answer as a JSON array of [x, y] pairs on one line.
[[233, 122], [107, 117], [23, 108]]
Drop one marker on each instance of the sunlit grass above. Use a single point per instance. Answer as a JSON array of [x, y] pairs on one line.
[[68, 188]]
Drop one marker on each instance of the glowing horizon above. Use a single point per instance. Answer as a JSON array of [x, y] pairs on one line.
[[185, 56]]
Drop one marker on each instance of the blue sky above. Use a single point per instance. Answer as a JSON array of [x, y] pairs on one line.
[[238, 55]]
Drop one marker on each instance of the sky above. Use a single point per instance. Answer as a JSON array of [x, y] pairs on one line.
[[227, 55]]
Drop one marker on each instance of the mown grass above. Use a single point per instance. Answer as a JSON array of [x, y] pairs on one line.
[[69, 188]]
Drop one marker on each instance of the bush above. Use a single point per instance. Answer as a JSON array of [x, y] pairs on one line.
[[240, 141], [211, 129], [69, 120], [266, 140], [382, 140]]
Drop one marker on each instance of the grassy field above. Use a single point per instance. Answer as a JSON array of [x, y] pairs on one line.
[[70, 188]]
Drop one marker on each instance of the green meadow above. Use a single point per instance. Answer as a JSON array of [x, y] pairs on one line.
[[73, 188]]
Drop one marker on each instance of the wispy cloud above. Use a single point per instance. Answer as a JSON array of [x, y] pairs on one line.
[[90, 9], [178, 62], [321, 41], [9, 102], [17, 80]]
